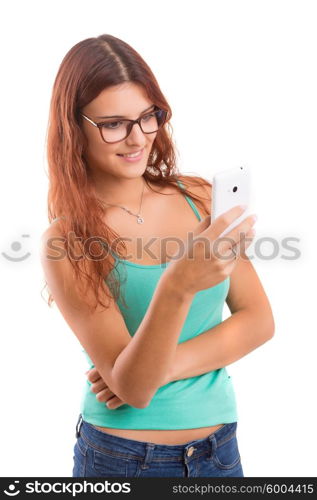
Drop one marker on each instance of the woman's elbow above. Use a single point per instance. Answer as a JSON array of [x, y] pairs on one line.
[[264, 320], [269, 326], [133, 397]]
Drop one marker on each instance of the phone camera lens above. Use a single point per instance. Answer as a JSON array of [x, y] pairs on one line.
[[235, 189]]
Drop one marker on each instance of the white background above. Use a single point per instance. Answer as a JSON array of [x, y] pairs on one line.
[[241, 79]]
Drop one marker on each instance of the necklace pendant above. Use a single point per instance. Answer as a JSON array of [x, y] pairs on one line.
[[140, 220]]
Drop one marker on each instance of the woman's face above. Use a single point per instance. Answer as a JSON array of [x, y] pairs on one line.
[[128, 100]]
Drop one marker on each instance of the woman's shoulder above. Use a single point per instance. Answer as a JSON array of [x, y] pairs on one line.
[[195, 181], [52, 230]]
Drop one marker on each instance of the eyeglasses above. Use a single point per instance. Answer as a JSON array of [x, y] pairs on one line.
[[116, 131]]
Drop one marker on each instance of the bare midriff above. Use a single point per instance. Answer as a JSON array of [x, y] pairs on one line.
[[179, 436]]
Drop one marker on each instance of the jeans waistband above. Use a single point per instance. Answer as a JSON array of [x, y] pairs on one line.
[[117, 446]]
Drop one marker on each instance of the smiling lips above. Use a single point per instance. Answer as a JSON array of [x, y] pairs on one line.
[[131, 155]]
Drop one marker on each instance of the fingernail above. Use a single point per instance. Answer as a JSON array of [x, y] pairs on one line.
[[254, 218], [243, 207]]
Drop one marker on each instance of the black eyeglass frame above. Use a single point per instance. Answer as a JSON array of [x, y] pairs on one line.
[[131, 123]]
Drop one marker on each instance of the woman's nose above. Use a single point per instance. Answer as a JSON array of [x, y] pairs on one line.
[[136, 135]]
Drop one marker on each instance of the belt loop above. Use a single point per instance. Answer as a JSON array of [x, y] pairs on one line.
[[78, 425], [148, 455], [213, 445]]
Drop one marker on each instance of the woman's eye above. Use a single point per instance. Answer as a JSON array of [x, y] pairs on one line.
[[148, 116], [111, 124]]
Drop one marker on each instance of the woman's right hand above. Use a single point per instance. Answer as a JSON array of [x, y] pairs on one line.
[[208, 259]]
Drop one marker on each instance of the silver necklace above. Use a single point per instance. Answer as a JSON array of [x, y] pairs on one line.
[[140, 219]]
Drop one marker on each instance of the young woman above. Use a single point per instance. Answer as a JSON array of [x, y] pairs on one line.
[[124, 227]]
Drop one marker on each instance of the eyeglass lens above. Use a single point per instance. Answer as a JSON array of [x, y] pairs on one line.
[[113, 131]]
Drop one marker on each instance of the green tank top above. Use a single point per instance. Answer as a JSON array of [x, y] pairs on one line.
[[200, 401]]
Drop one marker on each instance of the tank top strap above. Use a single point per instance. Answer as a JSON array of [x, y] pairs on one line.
[[190, 201]]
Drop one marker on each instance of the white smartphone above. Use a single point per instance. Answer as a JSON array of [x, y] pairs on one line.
[[230, 188]]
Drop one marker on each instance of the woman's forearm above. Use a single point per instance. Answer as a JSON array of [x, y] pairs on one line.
[[219, 346], [141, 368], [241, 333]]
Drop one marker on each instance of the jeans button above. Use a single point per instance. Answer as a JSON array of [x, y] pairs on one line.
[[190, 451]]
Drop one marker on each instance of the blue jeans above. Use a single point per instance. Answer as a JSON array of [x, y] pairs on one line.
[[99, 454]]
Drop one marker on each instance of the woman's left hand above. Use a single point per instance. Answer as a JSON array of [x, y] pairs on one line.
[[103, 392]]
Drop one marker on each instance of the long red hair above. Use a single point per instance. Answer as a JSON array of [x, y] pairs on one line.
[[89, 67]]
